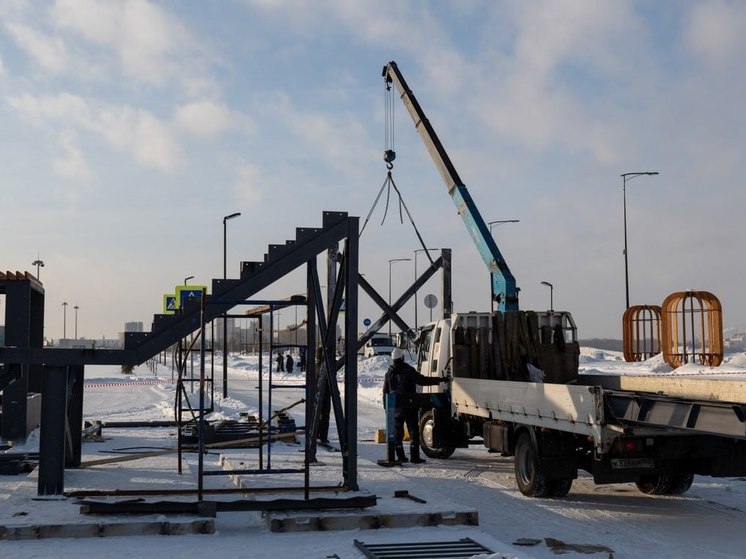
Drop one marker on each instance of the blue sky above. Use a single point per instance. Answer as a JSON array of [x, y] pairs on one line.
[[130, 128]]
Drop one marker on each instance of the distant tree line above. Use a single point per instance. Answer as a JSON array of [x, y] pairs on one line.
[[603, 343]]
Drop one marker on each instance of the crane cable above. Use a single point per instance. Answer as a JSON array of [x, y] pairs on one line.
[[388, 156]]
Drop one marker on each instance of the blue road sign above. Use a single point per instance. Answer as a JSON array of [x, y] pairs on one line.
[[366, 322], [188, 293]]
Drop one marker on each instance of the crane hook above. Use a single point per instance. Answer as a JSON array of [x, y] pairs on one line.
[[388, 156]]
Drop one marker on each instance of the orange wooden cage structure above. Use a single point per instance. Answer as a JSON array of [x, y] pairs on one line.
[[692, 329]]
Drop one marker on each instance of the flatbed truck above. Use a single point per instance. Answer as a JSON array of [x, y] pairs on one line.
[[657, 433]]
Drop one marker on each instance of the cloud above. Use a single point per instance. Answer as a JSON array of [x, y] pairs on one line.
[[71, 164], [48, 52], [208, 119], [150, 44], [335, 137], [716, 32], [246, 191], [125, 128], [140, 133]]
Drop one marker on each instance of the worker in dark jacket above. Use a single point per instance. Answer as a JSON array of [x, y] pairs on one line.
[[280, 362], [402, 379], [289, 363]]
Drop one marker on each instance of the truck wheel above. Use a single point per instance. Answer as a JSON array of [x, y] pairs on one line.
[[680, 484], [531, 481], [427, 428], [655, 484], [559, 487]]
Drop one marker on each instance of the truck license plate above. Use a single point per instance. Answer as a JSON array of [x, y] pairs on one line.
[[631, 463]]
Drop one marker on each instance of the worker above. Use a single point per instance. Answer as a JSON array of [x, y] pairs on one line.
[[280, 362], [302, 359], [289, 363], [402, 379]]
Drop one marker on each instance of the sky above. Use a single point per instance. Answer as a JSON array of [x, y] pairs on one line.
[[131, 128]]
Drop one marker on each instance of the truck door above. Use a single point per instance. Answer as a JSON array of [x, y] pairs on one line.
[[429, 359], [424, 349]]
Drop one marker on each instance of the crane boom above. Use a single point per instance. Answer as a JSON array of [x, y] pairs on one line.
[[504, 290]]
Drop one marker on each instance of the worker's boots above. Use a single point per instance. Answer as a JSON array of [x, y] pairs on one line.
[[400, 455], [414, 454]]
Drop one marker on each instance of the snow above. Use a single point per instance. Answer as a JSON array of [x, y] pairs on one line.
[[705, 522]]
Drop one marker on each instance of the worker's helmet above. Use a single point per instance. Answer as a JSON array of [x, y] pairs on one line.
[[397, 354]]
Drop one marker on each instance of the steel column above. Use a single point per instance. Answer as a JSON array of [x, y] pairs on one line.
[[75, 382], [52, 436], [351, 311], [17, 334]]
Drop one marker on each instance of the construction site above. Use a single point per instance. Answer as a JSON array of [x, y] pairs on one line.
[[198, 440]]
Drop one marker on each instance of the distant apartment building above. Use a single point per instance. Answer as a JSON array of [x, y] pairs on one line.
[[736, 343]]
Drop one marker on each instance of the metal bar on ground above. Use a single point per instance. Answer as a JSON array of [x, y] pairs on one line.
[[208, 508]]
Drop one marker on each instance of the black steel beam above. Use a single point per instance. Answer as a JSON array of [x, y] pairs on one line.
[[294, 256], [349, 461], [373, 294], [75, 383], [52, 436], [18, 334], [208, 508]]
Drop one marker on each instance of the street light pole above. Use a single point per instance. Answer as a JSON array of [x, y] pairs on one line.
[[490, 224], [64, 320], [187, 279], [390, 263], [551, 295], [75, 308], [625, 178], [225, 317], [416, 252], [39, 264]]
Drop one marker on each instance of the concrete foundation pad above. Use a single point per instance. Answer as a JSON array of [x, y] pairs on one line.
[[103, 529], [369, 521]]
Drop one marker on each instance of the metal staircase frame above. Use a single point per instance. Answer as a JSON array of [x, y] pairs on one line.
[[63, 368]]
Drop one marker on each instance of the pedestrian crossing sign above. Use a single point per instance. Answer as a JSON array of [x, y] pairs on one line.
[[169, 303]]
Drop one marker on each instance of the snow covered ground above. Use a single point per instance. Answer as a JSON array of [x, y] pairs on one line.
[[705, 522]]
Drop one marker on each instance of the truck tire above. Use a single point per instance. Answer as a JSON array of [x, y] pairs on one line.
[[680, 483], [559, 487], [427, 426], [530, 479], [655, 484]]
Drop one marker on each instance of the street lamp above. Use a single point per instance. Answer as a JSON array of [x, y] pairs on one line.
[[64, 320], [416, 252], [501, 221], [390, 263], [39, 264], [225, 240], [187, 279], [490, 224], [551, 295], [625, 178], [75, 308], [225, 317]]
